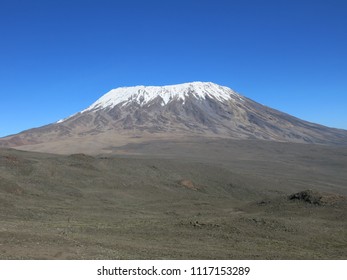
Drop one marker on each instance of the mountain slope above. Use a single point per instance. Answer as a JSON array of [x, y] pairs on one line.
[[198, 108]]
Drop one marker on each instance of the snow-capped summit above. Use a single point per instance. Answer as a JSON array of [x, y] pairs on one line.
[[145, 94]]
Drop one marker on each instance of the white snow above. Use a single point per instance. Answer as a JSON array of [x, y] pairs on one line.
[[144, 94]]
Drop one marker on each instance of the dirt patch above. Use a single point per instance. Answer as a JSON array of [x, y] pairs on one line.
[[10, 187], [17, 165], [189, 185], [10, 160], [317, 198]]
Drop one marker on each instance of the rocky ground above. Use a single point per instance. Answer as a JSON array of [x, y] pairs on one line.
[[198, 199]]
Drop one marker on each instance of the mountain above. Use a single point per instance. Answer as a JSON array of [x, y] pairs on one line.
[[190, 109]]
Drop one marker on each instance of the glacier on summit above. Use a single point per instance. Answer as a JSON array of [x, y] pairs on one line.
[[144, 94]]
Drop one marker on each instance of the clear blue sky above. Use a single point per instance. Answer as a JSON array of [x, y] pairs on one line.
[[57, 57]]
